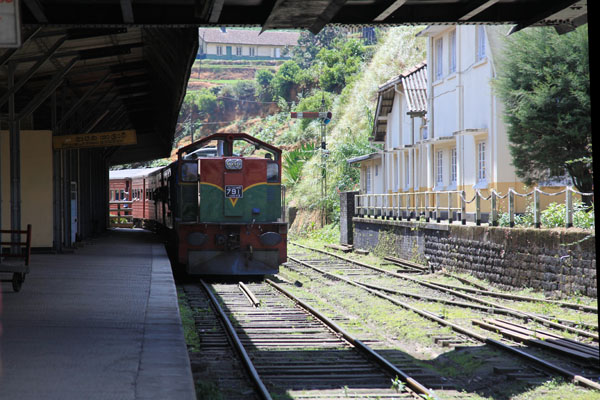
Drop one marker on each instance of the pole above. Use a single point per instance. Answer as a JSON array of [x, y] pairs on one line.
[[15, 161]]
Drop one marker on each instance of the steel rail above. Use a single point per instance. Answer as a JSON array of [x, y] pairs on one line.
[[578, 307], [366, 350], [509, 296], [435, 286], [249, 295], [543, 363], [264, 393], [490, 309]]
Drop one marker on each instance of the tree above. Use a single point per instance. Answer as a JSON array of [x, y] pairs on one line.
[[340, 64], [309, 44], [285, 79], [263, 84], [544, 82]]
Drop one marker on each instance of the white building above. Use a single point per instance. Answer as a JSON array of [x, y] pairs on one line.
[[442, 125], [467, 146], [240, 44]]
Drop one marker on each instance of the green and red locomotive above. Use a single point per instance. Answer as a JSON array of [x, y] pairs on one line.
[[221, 205]]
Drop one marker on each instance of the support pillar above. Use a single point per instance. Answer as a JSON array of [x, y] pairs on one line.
[[15, 161]]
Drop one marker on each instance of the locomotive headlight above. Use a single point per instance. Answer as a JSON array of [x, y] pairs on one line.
[[233, 163]]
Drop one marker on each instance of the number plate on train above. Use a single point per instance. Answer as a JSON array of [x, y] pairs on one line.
[[233, 191]]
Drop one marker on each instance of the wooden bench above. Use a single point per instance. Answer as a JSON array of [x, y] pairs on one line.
[[17, 264]]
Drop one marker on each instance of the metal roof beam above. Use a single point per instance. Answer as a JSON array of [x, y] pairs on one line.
[[389, 10], [474, 8], [40, 97], [82, 99], [37, 10], [32, 70], [545, 13], [327, 15], [127, 11]]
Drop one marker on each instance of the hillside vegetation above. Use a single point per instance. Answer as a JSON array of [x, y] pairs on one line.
[[329, 71]]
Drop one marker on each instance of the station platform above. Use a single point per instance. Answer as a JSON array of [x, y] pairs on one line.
[[100, 323]]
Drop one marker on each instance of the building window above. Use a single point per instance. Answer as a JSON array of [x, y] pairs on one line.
[[424, 132], [452, 63], [480, 42], [481, 173], [238, 51], [251, 51], [277, 52], [440, 168], [439, 61], [219, 50], [368, 179], [453, 169]]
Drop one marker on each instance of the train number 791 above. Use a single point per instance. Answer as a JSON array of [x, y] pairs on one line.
[[233, 191]]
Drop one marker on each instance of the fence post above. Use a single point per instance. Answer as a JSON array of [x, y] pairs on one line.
[[494, 209], [569, 207], [427, 207], [437, 207], [536, 208], [477, 208], [398, 207], [463, 209], [511, 207], [408, 205], [387, 206], [450, 207]]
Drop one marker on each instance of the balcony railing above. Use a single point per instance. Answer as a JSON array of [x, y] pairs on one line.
[[432, 205]]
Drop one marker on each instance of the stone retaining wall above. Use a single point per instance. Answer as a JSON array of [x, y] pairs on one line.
[[556, 261]]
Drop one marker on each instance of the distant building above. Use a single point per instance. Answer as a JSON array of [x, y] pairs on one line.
[[240, 44]]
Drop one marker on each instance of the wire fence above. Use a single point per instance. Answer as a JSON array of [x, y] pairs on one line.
[[452, 205]]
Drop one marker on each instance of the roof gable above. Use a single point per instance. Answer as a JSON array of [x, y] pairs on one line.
[[414, 85]]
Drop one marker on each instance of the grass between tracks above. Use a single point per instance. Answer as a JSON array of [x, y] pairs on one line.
[[367, 316], [187, 319]]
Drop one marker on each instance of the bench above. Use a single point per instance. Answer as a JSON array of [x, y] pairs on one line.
[[17, 264]]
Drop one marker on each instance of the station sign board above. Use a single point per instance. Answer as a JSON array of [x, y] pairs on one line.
[[10, 24], [101, 139]]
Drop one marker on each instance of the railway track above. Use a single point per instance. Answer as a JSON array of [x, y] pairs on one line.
[[425, 298], [290, 350], [475, 298]]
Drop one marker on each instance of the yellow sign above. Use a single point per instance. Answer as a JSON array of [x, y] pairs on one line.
[[101, 139]]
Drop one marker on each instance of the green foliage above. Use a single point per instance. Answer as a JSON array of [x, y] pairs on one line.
[[244, 90], [398, 385], [339, 64], [202, 101], [284, 80], [309, 45], [544, 82], [319, 100], [553, 216], [263, 84], [294, 160]]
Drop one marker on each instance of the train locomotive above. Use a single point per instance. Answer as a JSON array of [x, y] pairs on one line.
[[220, 209]]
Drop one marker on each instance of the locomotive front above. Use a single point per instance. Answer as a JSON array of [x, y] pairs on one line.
[[229, 207]]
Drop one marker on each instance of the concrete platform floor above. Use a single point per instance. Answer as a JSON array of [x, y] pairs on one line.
[[101, 323]]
